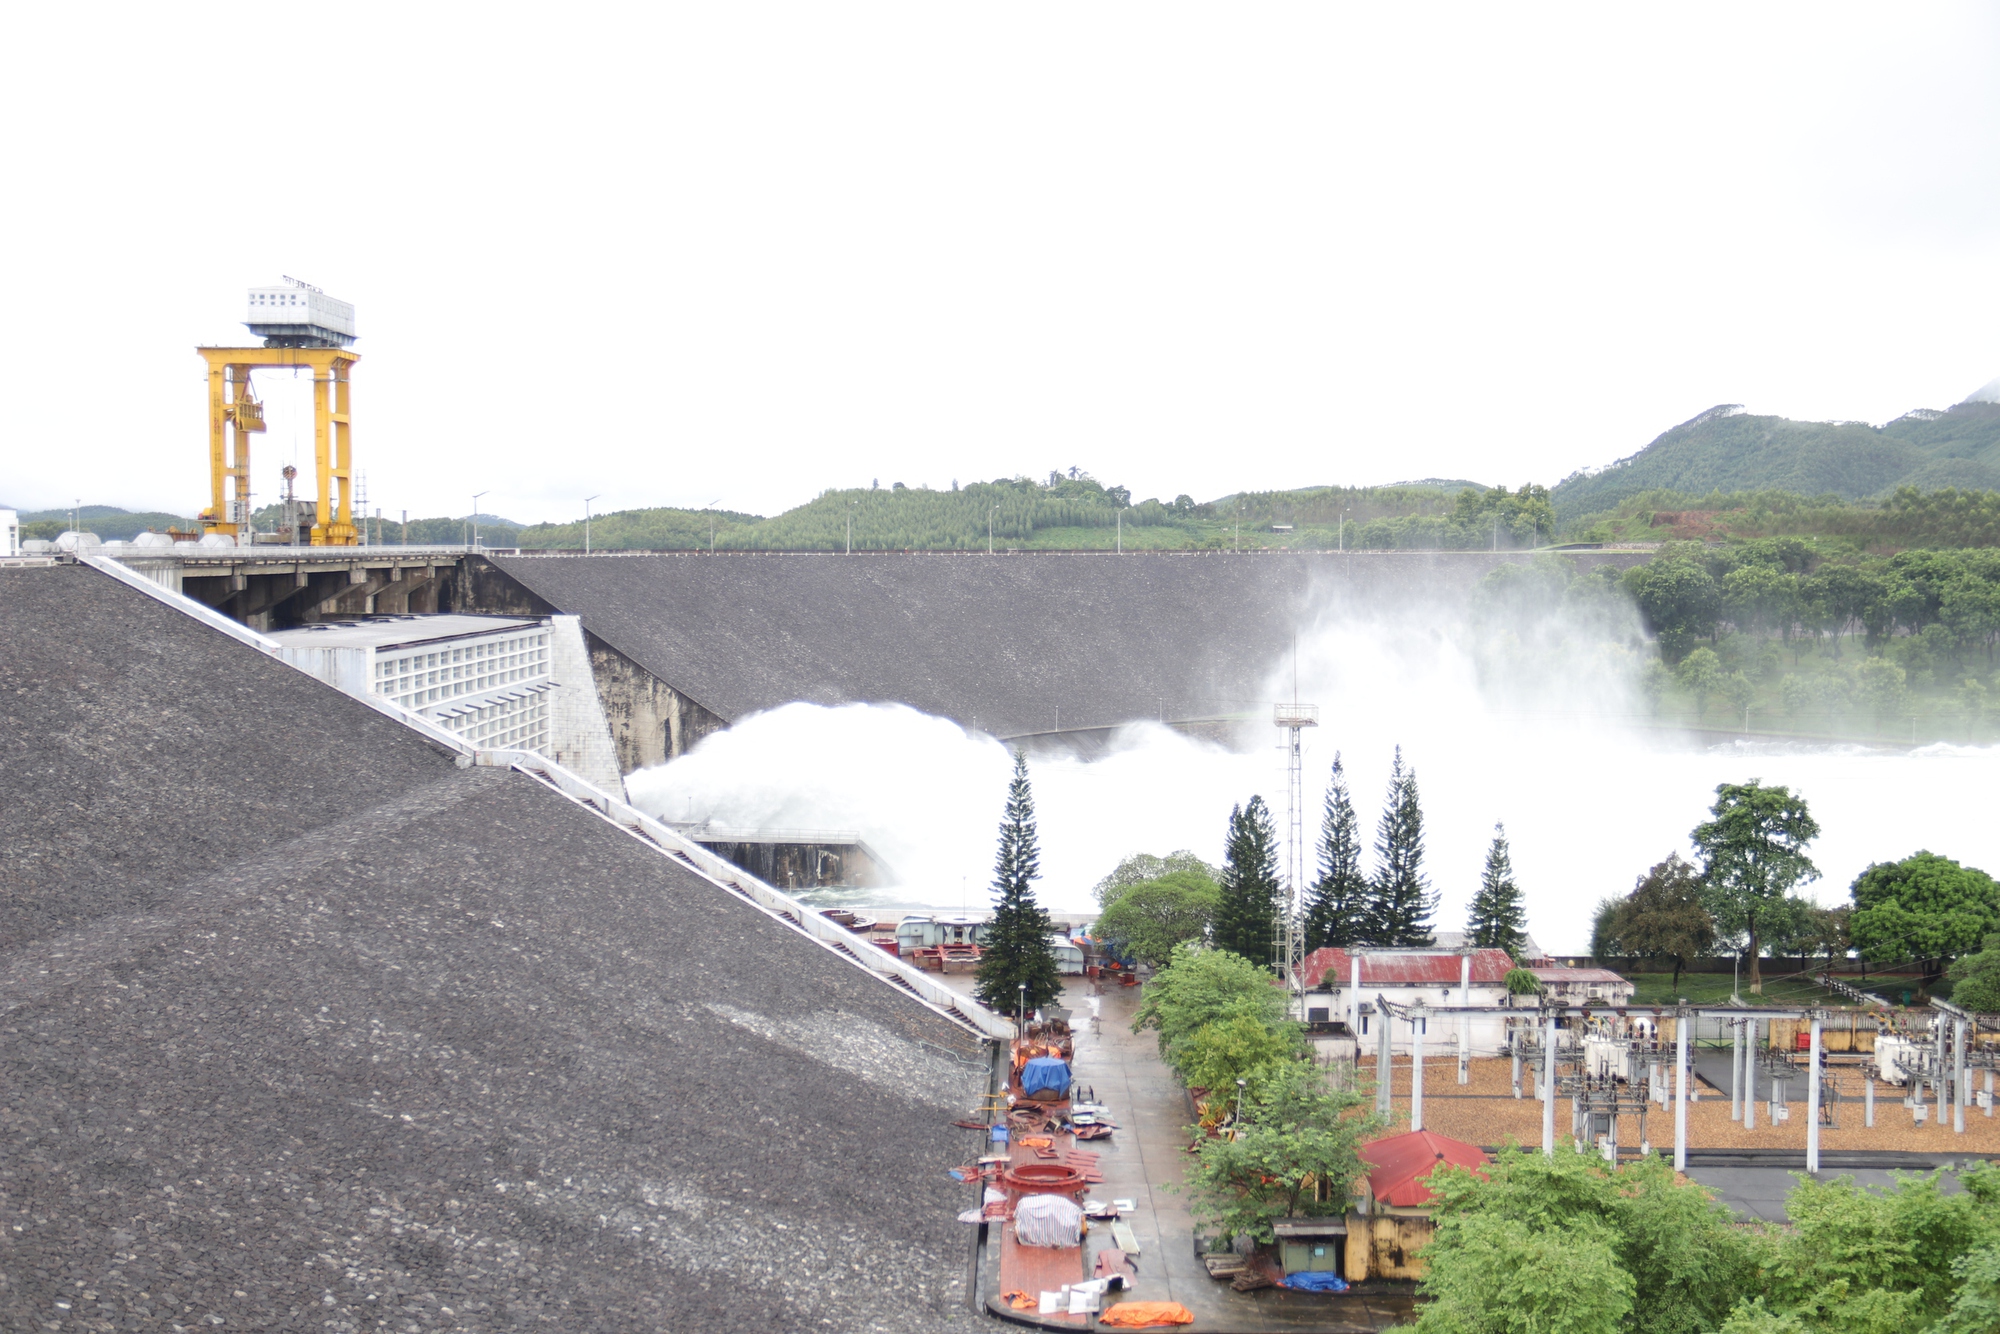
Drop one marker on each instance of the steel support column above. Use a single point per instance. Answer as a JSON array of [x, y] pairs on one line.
[[1812, 1099], [1549, 1090], [1681, 1024]]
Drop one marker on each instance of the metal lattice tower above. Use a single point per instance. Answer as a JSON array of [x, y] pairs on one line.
[[1294, 718]]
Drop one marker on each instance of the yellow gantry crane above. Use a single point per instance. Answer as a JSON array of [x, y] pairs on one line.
[[301, 327]]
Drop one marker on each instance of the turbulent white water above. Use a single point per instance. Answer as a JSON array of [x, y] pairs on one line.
[[1589, 799]]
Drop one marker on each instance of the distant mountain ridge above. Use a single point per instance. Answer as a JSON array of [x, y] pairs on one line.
[[1728, 449]]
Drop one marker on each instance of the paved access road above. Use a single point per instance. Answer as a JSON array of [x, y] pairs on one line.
[[1144, 1159]]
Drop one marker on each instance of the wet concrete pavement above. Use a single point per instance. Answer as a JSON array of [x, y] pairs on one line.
[[1143, 1161]]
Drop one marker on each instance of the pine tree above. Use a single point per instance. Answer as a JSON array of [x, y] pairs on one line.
[[1338, 912], [1016, 949], [1247, 921], [1401, 898], [1497, 921]]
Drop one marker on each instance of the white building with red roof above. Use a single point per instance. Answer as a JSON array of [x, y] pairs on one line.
[[1581, 986], [1338, 983]]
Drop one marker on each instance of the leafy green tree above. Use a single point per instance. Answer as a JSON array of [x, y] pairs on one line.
[[1338, 912], [1753, 855], [1241, 1046], [1016, 951], [1876, 1262], [1401, 900], [1976, 978], [1149, 919], [1700, 674], [1884, 687], [1664, 917], [1923, 907], [1205, 986], [1493, 1275], [1975, 1309], [1498, 920], [1739, 691], [1679, 601], [1143, 868], [1673, 1259], [1299, 1140], [1604, 942], [1522, 982], [1246, 921]]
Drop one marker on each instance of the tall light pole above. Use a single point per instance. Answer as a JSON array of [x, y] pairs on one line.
[[1294, 718], [475, 520], [850, 525], [989, 528], [1343, 530], [586, 522], [710, 507]]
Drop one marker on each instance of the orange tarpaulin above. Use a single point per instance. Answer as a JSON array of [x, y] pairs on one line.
[[1138, 1315]]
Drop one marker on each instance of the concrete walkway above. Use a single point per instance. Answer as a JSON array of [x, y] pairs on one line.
[[1144, 1159]]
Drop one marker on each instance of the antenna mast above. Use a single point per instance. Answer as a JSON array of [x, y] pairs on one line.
[[1294, 718]]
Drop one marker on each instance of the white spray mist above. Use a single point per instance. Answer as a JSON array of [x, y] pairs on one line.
[[1546, 742]]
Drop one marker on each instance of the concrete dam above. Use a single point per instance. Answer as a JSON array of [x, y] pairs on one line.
[[1019, 646]]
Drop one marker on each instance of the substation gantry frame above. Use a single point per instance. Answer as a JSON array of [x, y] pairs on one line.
[[233, 407]]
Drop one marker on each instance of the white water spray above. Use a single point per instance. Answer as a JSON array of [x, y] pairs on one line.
[[1551, 745]]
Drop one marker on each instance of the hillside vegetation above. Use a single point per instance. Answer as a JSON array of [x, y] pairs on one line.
[[1907, 518], [1074, 511], [1792, 638], [1728, 450], [107, 521]]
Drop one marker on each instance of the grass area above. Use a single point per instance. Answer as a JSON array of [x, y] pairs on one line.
[[1783, 985]]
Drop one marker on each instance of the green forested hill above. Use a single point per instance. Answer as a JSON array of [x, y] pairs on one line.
[[1077, 512], [1728, 450], [107, 521]]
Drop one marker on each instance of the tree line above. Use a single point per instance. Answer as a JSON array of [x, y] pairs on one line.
[[1152, 904], [1570, 1245], [1925, 914]]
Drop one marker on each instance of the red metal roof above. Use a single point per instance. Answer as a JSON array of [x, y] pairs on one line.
[[1332, 968], [1401, 1163]]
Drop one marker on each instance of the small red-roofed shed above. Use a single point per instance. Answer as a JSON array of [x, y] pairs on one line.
[[1386, 1235], [1399, 1165]]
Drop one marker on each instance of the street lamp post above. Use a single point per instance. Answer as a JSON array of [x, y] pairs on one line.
[[586, 522], [475, 520], [989, 528]]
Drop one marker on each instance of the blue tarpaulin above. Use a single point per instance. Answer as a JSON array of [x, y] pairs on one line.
[[1316, 1280], [1045, 1072]]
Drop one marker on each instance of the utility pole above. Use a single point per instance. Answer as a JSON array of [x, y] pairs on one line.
[[989, 528], [1294, 718], [586, 522], [1343, 531], [406, 526], [475, 520], [1121, 532]]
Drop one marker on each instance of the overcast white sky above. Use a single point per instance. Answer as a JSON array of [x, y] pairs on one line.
[[743, 252]]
